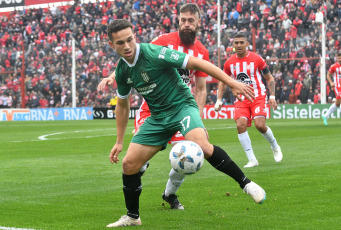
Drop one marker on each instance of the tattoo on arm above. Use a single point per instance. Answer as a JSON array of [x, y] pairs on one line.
[[272, 88]]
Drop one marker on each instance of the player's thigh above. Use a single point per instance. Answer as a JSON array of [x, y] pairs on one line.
[[260, 123], [258, 107], [153, 132], [185, 120], [242, 115], [337, 91], [137, 155], [198, 135]]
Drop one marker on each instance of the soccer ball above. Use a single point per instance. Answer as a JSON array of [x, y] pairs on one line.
[[186, 157]]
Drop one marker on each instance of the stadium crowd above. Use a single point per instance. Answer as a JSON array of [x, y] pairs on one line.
[[286, 31]]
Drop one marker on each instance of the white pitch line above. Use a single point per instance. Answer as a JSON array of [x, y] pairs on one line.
[[43, 138], [13, 228]]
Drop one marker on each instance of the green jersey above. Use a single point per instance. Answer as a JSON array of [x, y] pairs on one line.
[[154, 75]]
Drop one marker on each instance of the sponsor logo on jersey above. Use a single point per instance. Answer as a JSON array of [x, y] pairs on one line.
[[185, 75], [162, 53], [243, 77], [174, 56], [145, 76]]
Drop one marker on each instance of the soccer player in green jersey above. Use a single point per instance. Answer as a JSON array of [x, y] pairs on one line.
[[151, 70]]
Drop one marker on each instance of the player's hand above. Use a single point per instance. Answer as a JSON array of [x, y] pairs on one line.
[[332, 85], [243, 89], [218, 104], [113, 157], [105, 81], [273, 104]]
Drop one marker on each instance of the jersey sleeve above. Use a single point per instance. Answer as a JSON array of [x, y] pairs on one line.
[[166, 57], [227, 69], [261, 63], [331, 69], [123, 89]]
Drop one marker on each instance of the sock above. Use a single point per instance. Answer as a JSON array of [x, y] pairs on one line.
[[331, 110], [245, 141], [269, 136], [174, 182], [221, 161], [132, 188], [144, 168]]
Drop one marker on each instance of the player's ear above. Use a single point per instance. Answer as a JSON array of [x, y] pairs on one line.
[[111, 44]]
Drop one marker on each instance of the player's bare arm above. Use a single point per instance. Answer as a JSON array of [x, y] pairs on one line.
[[200, 93], [221, 90], [329, 78], [271, 86], [106, 81], [122, 117], [212, 70]]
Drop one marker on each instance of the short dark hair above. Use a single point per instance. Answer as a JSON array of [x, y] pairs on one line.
[[190, 7], [339, 54], [240, 35], [118, 25]]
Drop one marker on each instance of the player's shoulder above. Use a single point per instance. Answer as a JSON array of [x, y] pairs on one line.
[[232, 58], [200, 46], [165, 38], [335, 65]]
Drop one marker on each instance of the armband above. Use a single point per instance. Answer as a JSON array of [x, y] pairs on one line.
[[272, 97]]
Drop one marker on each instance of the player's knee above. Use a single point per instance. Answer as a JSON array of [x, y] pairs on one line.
[[130, 166], [241, 127], [207, 148], [261, 127]]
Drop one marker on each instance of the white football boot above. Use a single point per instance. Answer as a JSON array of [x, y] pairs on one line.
[[277, 154], [255, 191], [125, 221], [252, 163]]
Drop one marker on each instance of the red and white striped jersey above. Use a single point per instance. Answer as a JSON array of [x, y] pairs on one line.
[[247, 70], [335, 70], [173, 41]]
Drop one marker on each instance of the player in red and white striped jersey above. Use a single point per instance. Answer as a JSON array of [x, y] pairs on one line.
[[248, 67], [335, 72]]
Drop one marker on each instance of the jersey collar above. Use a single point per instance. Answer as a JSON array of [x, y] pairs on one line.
[[136, 56]]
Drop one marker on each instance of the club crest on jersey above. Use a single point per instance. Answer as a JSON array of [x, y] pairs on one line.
[[243, 77], [145, 76]]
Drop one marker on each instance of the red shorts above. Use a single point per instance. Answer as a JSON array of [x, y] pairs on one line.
[[141, 115], [250, 110], [337, 91]]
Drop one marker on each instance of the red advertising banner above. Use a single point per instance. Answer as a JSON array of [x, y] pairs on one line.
[[226, 112], [37, 2]]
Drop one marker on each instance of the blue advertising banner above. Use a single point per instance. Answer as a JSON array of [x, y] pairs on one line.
[[50, 114]]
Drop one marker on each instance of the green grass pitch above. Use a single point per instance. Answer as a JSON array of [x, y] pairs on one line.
[[57, 175]]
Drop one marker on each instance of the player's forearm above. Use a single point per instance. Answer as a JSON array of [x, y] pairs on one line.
[[200, 98], [210, 69], [221, 90], [271, 83], [122, 117], [112, 75], [329, 78]]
